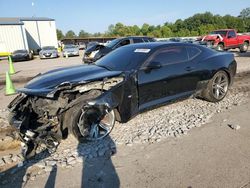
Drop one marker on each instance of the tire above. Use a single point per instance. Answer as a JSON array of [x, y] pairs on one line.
[[244, 47], [217, 87], [220, 47], [87, 123]]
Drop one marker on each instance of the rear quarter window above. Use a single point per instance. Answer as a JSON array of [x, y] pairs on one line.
[[171, 55], [137, 40], [192, 52]]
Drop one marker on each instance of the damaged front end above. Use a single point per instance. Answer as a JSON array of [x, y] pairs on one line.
[[37, 122], [39, 119]]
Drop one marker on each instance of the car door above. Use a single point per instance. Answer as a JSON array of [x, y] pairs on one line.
[[232, 39], [166, 75]]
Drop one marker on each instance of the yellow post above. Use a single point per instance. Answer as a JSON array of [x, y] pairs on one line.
[[11, 67], [9, 87]]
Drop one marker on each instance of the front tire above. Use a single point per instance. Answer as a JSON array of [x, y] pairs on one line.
[[217, 87], [220, 47], [244, 47], [89, 123]]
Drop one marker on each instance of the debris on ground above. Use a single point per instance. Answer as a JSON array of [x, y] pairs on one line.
[[234, 126]]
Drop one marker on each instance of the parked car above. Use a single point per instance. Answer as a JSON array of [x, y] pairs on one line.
[[225, 39], [48, 52], [92, 43], [70, 50], [86, 100], [21, 55], [97, 51]]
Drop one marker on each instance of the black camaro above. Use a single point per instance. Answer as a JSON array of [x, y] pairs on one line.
[[86, 100]]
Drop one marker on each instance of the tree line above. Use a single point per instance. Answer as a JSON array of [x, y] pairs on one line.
[[196, 25]]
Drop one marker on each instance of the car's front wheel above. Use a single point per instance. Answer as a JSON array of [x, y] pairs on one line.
[[89, 123], [244, 47], [220, 47], [217, 87]]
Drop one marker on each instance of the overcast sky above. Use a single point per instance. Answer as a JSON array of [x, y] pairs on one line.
[[97, 15]]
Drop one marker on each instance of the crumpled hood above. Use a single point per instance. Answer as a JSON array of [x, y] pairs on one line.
[[44, 83], [212, 37], [98, 47]]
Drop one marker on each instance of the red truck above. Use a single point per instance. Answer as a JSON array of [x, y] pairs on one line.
[[225, 39]]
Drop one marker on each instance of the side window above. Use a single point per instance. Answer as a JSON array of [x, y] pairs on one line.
[[193, 52], [137, 40], [123, 43], [151, 40], [170, 56], [231, 34]]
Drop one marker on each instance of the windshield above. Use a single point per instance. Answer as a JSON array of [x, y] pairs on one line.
[[112, 43], [69, 46], [48, 48], [222, 33], [20, 51], [122, 59], [90, 44]]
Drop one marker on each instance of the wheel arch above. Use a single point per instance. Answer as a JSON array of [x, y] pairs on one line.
[[221, 42], [247, 41], [226, 71], [95, 98]]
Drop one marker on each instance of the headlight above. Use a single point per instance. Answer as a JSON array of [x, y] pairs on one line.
[[92, 55]]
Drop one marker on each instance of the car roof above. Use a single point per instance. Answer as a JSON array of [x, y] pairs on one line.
[[132, 37], [153, 45]]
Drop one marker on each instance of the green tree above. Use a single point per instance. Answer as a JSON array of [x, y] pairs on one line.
[[135, 30], [98, 34], [110, 31], [144, 29], [205, 29], [198, 24], [83, 34], [155, 33], [166, 31], [245, 13], [70, 34], [119, 30], [59, 34]]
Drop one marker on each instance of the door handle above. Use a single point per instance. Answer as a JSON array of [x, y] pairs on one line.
[[189, 69]]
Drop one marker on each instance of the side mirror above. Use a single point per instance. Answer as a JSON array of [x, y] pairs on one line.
[[229, 37], [154, 65]]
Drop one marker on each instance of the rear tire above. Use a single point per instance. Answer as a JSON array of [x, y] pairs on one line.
[[217, 87], [244, 47], [220, 47], [87, 123]]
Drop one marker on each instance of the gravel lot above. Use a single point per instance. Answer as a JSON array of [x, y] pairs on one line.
[[151, 127]]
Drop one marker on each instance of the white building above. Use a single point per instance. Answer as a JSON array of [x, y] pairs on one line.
[[26, 33]]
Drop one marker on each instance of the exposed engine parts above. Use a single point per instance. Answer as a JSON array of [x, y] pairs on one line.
[[39, 119]]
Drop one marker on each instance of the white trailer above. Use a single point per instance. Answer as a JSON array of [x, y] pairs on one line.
[[40, 32], [12, 36], [26, 33]]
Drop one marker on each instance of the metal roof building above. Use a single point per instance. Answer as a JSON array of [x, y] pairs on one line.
[[26, 33]]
